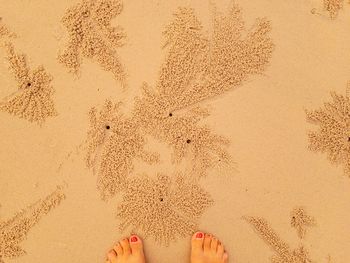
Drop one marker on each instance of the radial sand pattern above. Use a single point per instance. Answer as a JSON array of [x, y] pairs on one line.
[[15, 230], [162, 209], [113, 143], [197, 68], [33, 99], [92, 36], [333, 134]]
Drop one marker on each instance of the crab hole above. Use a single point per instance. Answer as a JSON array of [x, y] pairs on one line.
[[108, 127], [188, 141]]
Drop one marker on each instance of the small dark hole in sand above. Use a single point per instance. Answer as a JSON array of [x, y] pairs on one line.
[[161, 199], [29, 84], [348, 139], [108, 127], [188, 141], [170, 114]]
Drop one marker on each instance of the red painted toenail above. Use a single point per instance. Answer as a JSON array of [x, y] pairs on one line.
[[199, 235], [133, 239]]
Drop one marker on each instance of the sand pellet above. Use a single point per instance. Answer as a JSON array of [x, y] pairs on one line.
[[197, 68], [4, 30], [333, 7], [92, 36], [33, 100], [101, 124], [300, 220], [284, 254], [188, 138], [14, 230], [169, 112], [161, 208], [333, 134], [113, 143]]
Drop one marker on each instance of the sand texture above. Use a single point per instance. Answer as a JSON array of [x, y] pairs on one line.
[[14, 230], [165, 117], [283, 251], [332, 136], [92, 36], [33, 100]]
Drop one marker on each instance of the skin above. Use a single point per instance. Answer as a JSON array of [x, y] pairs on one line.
[[205, 248]]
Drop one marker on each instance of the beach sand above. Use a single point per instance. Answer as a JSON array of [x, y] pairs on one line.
[[243, 166]]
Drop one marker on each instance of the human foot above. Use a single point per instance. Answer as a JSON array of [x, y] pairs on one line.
[[127, 251], [207, 249]]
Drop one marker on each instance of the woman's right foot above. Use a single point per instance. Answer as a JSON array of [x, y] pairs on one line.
[[207, 249]]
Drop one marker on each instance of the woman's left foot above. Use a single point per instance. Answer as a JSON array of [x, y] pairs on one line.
[[128, 250]]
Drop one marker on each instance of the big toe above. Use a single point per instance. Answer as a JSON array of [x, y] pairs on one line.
[[136, 244], [197, 241], [207, 249]]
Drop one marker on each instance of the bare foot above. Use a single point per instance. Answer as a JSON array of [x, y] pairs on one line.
[[207, 249], [127, 251]]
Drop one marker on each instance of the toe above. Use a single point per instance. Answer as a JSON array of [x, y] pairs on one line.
[[112, 256], [118, 249], [214, 244], [220, 250], [225, 258], [126, 246], [207, 241], [136, 244], [197, 240]]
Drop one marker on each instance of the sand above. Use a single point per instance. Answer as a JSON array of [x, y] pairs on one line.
[[14, 230], [33, 100], [300, 220], [92, 36], [333, 7], [164, 117]]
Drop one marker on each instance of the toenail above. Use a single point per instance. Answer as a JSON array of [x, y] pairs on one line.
[[133, 239], [199, 235]]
